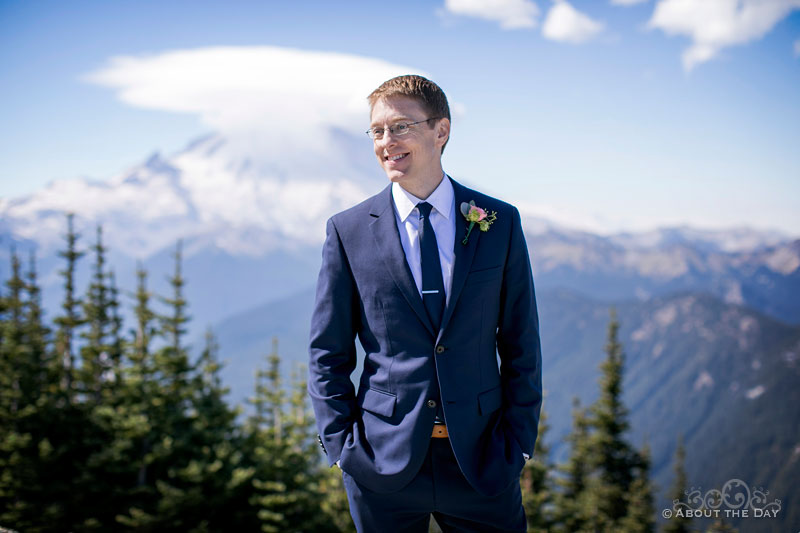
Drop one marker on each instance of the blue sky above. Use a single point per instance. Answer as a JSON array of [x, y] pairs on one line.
[[619, 116]]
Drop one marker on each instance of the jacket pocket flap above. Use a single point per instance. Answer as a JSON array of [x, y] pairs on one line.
[[490, 400], [379, 402], [484, 274]]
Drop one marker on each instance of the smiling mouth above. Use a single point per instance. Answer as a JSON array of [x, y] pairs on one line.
[[395, 157]]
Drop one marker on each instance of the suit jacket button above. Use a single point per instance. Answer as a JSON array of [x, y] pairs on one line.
[[440, 349], [432, 403], [321, 445]]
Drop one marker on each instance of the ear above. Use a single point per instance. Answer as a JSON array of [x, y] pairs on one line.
[[442, 131]]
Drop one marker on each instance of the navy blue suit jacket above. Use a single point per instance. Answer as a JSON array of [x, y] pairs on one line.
[[381, 432]]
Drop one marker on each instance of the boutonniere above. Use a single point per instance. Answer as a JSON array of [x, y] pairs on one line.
[[476, 215]]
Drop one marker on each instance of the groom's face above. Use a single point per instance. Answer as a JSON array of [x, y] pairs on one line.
[[415, 155]]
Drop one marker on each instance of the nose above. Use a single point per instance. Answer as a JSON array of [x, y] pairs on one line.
[[388, 139]]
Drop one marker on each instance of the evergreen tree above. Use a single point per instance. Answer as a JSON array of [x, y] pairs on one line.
[[116, 342], [145, 318], [71, 319], [605, 486], [192, 476], [288, 479], [160, 393], [36, 336], [173, 368], [133, 434], [615, 463], [11, 354], [140, 384], [571, 510], [335, 505], [613, 457], [203, 489], [139, 402], [173, 324], [102, 467], [95, 359], [679, 524], [640, 517], [537, 485], [217, 473], [15, 443], [30, 444]]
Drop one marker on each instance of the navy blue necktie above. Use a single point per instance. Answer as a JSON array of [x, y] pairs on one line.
[[432, 282]]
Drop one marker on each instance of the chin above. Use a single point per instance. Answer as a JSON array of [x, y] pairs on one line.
[[395, 176]]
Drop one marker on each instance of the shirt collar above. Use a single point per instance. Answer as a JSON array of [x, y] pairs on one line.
[[441, 199]]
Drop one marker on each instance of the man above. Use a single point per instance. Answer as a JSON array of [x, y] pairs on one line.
[[435, 280]]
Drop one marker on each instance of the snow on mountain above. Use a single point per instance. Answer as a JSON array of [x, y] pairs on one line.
[[664, 254], [782, 259], [741, 239], [211, 193]]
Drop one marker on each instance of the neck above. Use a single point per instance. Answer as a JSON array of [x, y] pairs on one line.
[[423, 189]]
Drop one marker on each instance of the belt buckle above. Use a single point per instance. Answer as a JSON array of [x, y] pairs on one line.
[[439, 431]]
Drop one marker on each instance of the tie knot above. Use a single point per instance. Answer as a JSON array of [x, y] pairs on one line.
[[424, 209]]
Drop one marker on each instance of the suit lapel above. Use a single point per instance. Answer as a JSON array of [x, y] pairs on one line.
[[387, 239], [464, 253]]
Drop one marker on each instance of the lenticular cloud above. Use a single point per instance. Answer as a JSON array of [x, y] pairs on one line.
[[254, 88]]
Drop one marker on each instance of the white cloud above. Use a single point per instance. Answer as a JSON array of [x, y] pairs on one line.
[[566, 24], [716, 24], [511, 14], [278, 91], [797, 47], [627, 2]]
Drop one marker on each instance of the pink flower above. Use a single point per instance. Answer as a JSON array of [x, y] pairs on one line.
[[476, 214]]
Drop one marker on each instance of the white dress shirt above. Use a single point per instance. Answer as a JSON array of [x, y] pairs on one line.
[[443, 220]]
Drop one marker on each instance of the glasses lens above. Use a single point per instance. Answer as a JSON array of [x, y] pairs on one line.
[[399, 129], [375, 133]]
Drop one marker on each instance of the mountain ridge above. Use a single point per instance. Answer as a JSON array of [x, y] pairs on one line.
[[239, 210]]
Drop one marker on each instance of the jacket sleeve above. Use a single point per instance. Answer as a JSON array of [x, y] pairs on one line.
[[518, 343], [332, 352]]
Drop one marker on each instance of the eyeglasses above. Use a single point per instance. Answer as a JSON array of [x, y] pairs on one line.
[[400, 128]]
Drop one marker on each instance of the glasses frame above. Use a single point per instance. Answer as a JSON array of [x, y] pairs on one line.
[[371, 132]]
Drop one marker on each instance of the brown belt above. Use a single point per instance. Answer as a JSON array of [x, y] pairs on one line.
[[439, 431]]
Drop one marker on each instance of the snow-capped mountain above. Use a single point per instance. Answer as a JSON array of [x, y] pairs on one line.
[[210, 194], [251, 218]]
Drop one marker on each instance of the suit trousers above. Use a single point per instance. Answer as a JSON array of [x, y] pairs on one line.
[[439, 489]]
